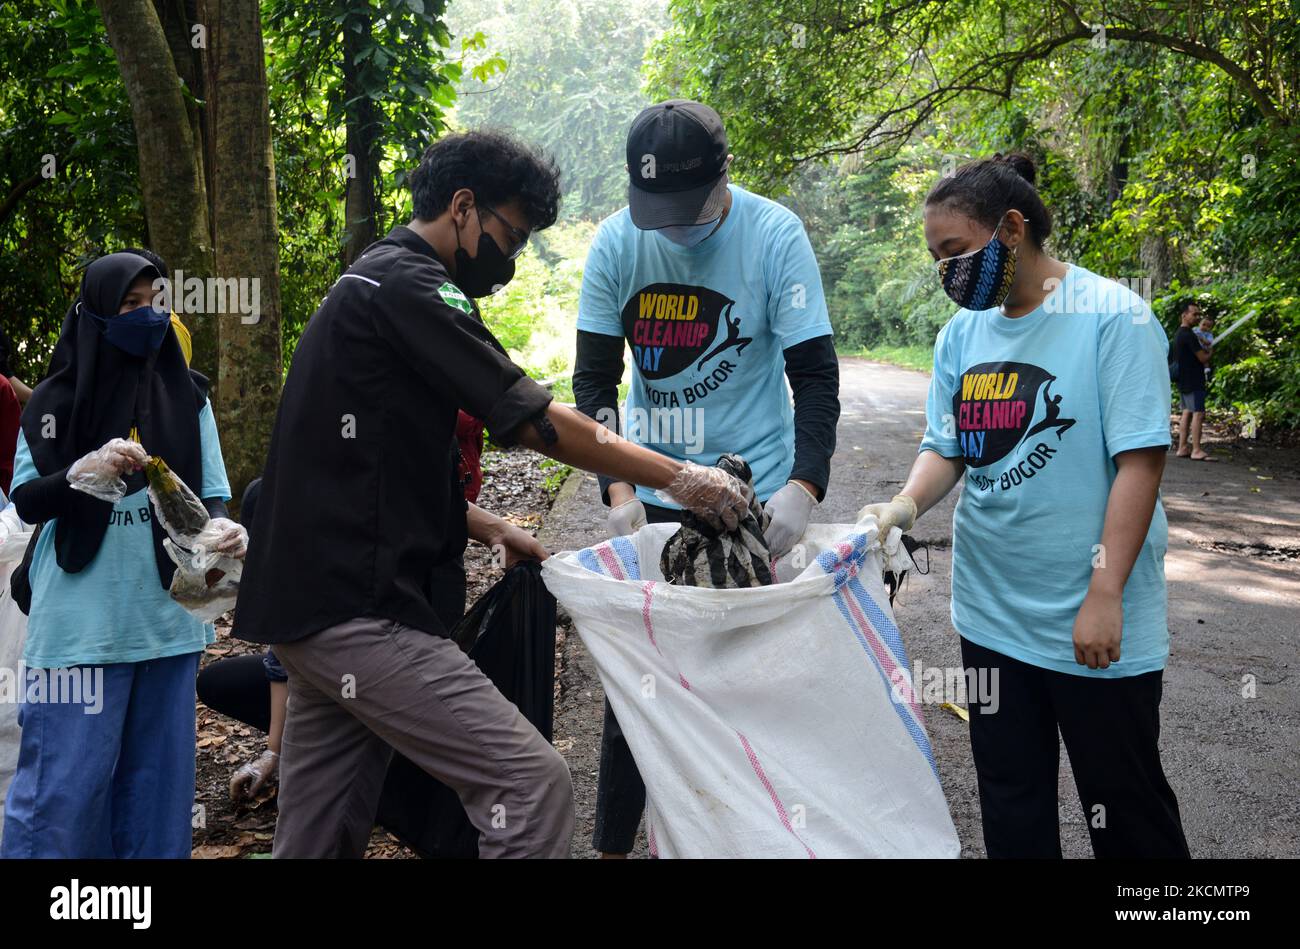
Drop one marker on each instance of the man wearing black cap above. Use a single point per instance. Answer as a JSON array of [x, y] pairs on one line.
[[718, 294]]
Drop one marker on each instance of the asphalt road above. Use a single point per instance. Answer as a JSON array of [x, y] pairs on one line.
[[1230, 738]]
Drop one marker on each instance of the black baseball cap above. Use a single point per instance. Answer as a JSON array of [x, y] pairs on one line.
[[676, 163]]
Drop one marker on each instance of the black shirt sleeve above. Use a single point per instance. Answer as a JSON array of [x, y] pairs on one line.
[[814, 374], [597, 370], [1191, 371], [453, 350], [44, 498], [6, 354]]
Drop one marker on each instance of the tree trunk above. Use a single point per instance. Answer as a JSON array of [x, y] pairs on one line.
[[1158, 259], [171, 174], [244, 215], [361, 204], [179, 19]]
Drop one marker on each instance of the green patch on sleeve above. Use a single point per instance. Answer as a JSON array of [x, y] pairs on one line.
[[451, 293]]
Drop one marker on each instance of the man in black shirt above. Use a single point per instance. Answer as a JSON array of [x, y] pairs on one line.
[[360, 505], [1191, 358]]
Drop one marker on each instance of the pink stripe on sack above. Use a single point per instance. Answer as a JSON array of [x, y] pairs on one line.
[[771, 792], [607, 557], [883, 655], [648, 588]]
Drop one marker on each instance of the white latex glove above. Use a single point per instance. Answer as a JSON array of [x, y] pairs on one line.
[[626, 518], [99, 473], [900, 513], [787, 514], [225, 537], [710, 493]]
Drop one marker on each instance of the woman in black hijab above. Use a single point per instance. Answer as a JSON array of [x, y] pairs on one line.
[[109, 771]]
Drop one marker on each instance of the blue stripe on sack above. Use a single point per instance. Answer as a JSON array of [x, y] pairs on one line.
[[588, 559], [830, 562], [904, 713], [843, 567], [627, 554], [889, 634], [880, 620]]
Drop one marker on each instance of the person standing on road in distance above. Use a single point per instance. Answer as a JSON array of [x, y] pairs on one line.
[[1058, 584], [1192, 357], [361, 504], [717, 292]]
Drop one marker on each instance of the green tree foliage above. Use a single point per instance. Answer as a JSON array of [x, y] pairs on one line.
[[67, 167], [401, 68], [61, 95], [571, 85], [1165, 134]]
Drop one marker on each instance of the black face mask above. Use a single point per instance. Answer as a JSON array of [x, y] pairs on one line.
[[485, 274]]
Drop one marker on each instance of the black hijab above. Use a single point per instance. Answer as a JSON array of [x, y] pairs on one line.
[[96, 391]]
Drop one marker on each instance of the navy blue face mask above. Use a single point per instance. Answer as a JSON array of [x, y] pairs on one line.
[[138, 332]]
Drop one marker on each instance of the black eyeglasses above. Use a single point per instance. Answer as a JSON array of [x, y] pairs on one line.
[[520, 237]]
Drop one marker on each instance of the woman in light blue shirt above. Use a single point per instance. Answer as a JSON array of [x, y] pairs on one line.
[[106, 763], [1050, 398]]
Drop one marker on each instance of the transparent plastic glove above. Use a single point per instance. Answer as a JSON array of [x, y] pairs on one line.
[[254, 776], [710, 493], [99, 473], [787, 513], [626, 518], [900, 513], [225, 537]]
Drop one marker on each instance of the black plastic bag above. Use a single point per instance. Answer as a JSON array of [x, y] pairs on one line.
[[510, 633]]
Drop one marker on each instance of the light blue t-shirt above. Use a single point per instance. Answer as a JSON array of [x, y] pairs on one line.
[[114, 610], [707, 326], [1038, 407]]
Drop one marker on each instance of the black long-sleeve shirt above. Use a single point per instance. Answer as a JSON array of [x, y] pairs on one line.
[[360, 500]]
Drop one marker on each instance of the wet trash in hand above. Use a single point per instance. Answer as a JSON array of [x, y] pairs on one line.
[[700, 555]]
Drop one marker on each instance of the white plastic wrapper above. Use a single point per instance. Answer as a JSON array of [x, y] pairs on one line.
[[206, 581]]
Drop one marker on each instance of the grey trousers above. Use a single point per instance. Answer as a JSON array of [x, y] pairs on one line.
[[362, 688]]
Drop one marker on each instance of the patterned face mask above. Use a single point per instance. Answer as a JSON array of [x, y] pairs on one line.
[[981, 279]]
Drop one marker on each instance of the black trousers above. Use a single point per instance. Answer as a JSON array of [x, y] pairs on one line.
[[620, 792], [1111, 730]]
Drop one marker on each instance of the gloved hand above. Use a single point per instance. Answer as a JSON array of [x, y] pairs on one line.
[[225, 537], [712, 494], [254, 776], [900, 513], [99, 473], [626, 518], [787, 514]]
